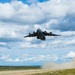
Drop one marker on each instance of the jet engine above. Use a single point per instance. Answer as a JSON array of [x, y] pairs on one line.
[[29, 33], [50, 32], [37, 37], [34, 32], [45, 31]]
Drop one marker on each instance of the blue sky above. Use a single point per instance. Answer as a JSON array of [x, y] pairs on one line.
[[24, 1], [21, 17]]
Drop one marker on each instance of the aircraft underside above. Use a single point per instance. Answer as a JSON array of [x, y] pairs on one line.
[[42, 37]]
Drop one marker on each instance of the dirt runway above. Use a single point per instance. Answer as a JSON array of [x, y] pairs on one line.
[[22, 72]]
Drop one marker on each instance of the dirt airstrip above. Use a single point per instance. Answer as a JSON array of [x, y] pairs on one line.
[[22, 72]]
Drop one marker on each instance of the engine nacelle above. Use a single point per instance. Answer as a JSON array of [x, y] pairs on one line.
[[50, 32], [37, 37], [34, 32], [45, 31], [29, 33]]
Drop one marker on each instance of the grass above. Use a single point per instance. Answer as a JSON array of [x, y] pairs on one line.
[[60, 72], [4, 68]]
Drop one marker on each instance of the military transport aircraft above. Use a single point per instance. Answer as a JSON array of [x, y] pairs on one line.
[[40, 34]]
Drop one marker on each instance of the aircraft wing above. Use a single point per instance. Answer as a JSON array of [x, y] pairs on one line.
[[31, 35], [50, 34]]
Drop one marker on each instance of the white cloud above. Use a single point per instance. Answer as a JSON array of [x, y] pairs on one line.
[[27, 57], [54, 57], [7, 58], [6, 11], [26, 14], [13, 31], [19, 19], [68, 33], [3, 43], [70, 42], [47, 57], [4, 57], [71, 54], [55, 9], [18, 12], [68, 56], [32, 45], [6, 31]]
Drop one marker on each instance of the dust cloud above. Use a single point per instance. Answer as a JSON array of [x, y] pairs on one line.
[[54, 66]]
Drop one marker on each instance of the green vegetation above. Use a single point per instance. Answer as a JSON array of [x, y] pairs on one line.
[[3, 68], [60, 72]]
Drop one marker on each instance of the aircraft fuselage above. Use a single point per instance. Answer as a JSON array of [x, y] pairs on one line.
[[40, 35]]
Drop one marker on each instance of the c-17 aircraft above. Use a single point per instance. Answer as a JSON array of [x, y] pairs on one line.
[[39, 34]]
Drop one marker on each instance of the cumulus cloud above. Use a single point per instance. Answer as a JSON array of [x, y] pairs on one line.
[[68, 33], [6, 31], [23, 13], [63, 43], [32, 45], [18, 19], [71, 54], [2, 43], [54, 42], [8, 59], [26, 57], [29, 14]]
